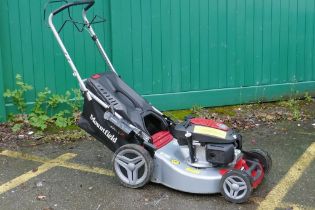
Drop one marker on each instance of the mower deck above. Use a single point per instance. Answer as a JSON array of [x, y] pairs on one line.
[[171, 169]]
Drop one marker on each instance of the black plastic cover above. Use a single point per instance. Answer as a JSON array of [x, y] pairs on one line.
[[180, 130], [93, 122], [111, 131], [125, 101], [220, 154]]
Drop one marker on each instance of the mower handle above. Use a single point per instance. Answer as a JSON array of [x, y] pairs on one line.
[[89, 3]]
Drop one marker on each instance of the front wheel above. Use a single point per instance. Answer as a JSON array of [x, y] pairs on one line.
[[236, 186], [262, 156], [133, 165]]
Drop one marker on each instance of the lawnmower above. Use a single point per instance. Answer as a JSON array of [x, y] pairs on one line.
[[198, 155]]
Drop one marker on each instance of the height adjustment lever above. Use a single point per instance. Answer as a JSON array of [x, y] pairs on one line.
[[191, 147]]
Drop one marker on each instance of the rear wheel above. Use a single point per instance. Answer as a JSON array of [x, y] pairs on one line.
[[133, 165], [236, 186], [262, 156]]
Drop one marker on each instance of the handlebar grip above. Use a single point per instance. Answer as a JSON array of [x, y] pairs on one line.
[[92, 2], [76, 3]]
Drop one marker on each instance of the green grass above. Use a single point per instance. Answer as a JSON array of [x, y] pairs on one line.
[[178, 114], [224, 110]]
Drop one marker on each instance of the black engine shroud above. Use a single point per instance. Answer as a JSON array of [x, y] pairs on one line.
[[204, 134], [220, 154], [219, 144]]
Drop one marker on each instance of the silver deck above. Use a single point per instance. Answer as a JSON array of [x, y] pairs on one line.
[[171, 169]]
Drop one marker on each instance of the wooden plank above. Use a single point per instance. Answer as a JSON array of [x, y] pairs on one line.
[[122, 47], [115, 23], [3, 114], [284, 30], [68, 34], [267, 42], [99, 9], [204, 44], [5, 43], [213, 45], [36, 26], [231, 44], [166, 43], [107, 28], [49, 43], [222, 43], [63, 67], [15, 39], [78, 53], [194, 44], [175, 46], [126, 42], [58, 58], [136, 45], [249, 51], [146, 34], [258, 42], [156, 46], [90, 50], [185, 45], [275, 28], [309, 34], [240, 43], [300, 40], [292, 41], [3, 15]]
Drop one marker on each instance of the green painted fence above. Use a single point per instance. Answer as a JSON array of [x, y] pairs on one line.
[[177, 53]]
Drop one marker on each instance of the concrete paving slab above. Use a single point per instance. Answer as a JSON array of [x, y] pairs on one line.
[[12, 167], [66, 188]]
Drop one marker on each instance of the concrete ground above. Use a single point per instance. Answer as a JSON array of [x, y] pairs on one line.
[[80, 177]]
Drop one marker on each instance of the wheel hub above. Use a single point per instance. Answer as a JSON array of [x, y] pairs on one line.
[[235, 187], [131, 166]]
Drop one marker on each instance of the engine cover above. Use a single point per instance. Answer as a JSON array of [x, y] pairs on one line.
[[205, 131], [220, 154]]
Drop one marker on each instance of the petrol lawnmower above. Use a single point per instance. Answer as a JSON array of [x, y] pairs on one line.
[[197, 155]]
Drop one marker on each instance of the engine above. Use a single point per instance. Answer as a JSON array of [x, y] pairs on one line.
[[207, 143]]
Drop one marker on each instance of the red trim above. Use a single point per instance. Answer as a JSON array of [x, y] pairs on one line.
[[242, 164], [260, 178], [223, 171], [96, 76], [161, 138], [209, 123]]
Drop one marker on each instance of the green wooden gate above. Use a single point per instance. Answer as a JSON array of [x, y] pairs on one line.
[[177, 53]]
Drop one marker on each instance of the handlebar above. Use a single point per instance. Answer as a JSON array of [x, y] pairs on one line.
[[86, 23], [89, 3]]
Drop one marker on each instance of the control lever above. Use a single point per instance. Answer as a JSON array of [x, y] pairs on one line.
[[192, 152]]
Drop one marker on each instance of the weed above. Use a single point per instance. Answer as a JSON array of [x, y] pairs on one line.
[[47, 110], [38, 121], [18, 95], [308, 98], [197, 108], [294, 107], [61, 119], [76, 102], [16, 127]]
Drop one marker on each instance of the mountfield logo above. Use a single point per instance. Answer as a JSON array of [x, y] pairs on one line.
[[105, 131]]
